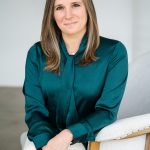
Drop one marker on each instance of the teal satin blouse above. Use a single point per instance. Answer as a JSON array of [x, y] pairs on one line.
[[82, 99]]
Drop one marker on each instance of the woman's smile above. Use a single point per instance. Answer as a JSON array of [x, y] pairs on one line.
[[68, 24]]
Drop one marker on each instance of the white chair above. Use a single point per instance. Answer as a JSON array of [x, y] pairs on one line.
[[132, 129], [125, 134]]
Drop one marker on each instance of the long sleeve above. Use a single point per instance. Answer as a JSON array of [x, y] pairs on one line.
[[36, 114], [107, 106]]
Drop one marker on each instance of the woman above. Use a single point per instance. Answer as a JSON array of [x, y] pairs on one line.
[[74, 78]]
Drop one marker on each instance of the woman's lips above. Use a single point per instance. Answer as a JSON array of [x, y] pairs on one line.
[[70, 23]]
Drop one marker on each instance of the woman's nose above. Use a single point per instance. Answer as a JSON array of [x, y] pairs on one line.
[[68, 13]]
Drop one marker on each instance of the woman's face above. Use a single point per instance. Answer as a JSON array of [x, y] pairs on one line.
[[70, 16]]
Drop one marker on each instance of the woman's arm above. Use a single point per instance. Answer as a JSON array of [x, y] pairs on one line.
[[36, 114]]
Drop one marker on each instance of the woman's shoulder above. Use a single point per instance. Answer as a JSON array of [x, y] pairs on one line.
[[35, 50], [110, 45]]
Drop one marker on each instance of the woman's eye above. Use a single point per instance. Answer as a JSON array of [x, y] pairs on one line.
[[76, 5], [59, 8]]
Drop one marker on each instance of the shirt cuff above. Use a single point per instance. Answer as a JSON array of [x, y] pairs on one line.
[[80, 133], [41, 140]]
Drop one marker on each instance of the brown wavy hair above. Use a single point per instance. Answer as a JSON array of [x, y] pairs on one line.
[[50, 35]]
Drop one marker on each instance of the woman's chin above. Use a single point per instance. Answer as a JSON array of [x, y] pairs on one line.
[[71, 32]]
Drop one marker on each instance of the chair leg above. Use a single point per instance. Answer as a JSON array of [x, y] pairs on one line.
[[94, 145], [147, 142]]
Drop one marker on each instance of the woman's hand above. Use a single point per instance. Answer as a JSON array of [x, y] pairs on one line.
[[60, 141]]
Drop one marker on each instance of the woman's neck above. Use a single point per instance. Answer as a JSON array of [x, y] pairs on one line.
[[72, 42]]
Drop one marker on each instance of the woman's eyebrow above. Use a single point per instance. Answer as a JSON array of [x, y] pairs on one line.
[[58, 5], [76, 2], [71, 3]]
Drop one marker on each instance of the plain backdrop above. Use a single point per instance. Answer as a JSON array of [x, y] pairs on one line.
[[20, 28]]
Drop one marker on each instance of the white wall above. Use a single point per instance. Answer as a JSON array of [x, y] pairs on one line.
[[115, 20], [21, 25], [141, 27]]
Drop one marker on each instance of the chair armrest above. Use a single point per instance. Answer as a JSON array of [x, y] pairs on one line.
[[125, 128]]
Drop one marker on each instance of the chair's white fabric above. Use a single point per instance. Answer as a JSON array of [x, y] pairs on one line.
[[26, 144], [123, 127], [23, 139], [136, 143]]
